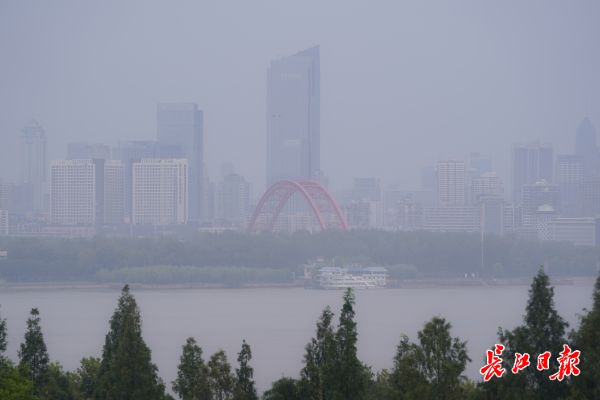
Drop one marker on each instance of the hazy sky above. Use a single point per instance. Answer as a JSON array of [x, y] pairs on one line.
[[402, 83]]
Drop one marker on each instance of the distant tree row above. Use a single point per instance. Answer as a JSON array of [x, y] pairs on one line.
[[420, 255], [430, 368]]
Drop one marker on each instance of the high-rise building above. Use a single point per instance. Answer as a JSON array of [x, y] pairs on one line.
[[530, 164], [86, 150], [409, 215], [181, 124], [114, 192], [4, 193], [293, 117], [569, 168], [33, 162], [589, 197], [511, 218], [129, 152], [77, 192], [586, 148], [451, 189], [569, 174], [536, 195], [486, 184], [232, 205], [160, 192], [3, 222]]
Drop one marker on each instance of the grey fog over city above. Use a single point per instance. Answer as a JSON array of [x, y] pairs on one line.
[[320, 200]]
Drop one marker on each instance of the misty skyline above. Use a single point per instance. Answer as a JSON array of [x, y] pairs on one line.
[[402, 85]]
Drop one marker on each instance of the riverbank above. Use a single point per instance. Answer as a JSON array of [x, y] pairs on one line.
[[392, 284]]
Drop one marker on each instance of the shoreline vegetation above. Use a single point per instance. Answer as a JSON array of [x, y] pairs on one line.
[[233, 259], [406, 284], [430, 367]]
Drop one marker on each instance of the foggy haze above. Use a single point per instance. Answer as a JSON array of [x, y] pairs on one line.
[[401, 84]]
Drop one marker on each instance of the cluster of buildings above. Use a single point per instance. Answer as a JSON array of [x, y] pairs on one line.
[[160, 185], [553, 197], [135, 186]]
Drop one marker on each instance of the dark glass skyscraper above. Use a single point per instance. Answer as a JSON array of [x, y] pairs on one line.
[[181, 124], [293, 117]]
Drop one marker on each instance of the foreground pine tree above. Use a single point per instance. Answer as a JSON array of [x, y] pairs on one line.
[[126, 369], [33, 354], [351, 375], [586, 385], [542, 330], [332, 369], [192, 381]]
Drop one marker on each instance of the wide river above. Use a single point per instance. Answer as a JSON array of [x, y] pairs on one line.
[[277, 323]]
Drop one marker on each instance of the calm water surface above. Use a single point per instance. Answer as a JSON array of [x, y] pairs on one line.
[[276, 322]]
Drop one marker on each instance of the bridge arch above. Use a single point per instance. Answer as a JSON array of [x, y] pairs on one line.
[[322, 205]]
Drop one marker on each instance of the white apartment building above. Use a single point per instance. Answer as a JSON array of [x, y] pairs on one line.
[[74, 198], [160, 191], [451, 189]]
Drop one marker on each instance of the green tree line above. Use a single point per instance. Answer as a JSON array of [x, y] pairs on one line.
[[423, 255], [432, 367]]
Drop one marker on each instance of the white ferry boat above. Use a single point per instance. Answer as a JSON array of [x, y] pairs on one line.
[[352, 277]]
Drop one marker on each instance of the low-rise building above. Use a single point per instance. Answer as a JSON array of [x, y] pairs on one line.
[[450, 219], [579, 231]]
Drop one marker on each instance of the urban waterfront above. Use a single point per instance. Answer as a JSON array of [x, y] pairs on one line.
[[276, 322]]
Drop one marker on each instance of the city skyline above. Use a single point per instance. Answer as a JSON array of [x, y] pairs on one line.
[[226, 166], [388, 101]]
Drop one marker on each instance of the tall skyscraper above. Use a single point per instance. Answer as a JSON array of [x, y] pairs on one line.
[[181, 124], [293, 117], [530, 164], [451, 189], [33, 162], [586, 148], [160, 191]]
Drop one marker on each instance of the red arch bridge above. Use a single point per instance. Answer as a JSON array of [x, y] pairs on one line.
[[321, 204]]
